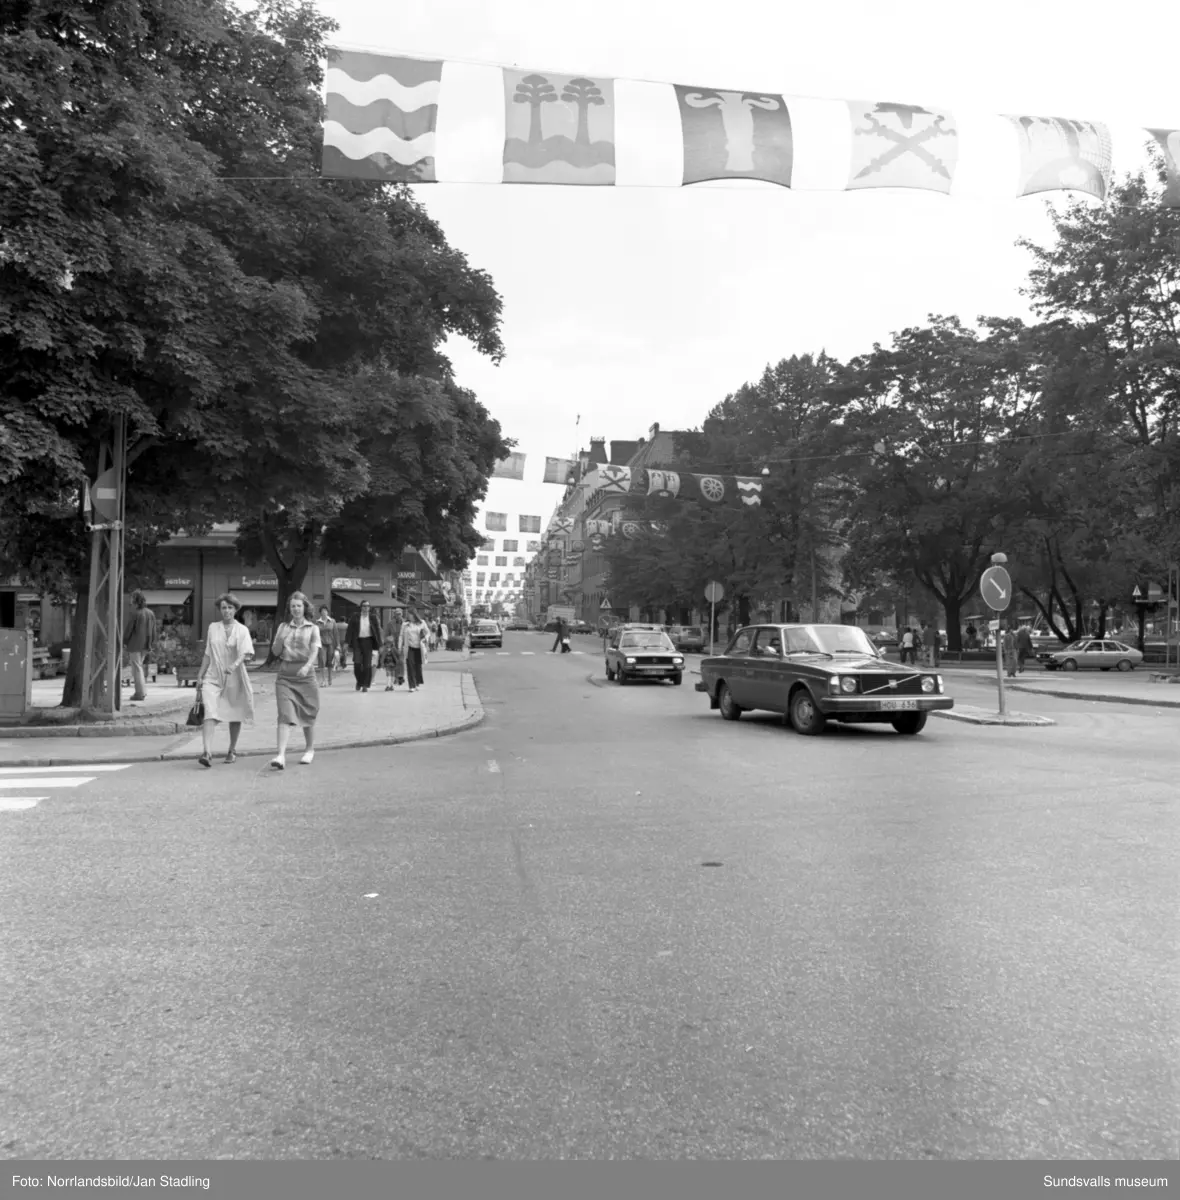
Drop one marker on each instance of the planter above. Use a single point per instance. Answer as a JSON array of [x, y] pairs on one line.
[[186, 676]]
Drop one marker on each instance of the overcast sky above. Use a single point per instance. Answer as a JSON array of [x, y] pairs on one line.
[[630, 305]]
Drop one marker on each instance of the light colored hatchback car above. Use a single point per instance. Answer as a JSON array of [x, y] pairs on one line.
[[1101, 653]]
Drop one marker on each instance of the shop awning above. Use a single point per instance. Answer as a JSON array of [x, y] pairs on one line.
[[175, 596], [376, 599], [258, 598]]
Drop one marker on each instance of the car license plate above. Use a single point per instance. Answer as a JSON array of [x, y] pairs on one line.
[[891, 705]]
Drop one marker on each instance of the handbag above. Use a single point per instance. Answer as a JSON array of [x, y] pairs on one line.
[[196, 714]]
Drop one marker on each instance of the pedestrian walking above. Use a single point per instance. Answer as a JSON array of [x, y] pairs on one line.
[[297, 645], [390, 658], [138, 641], [223, 680], [906, 648], [328, 655], [363, 637], [561, 641], [393, 632], [1008, 651], [415, 639], [1024, 647]]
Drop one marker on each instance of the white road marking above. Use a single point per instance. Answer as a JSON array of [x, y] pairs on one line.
[[528, 652], [63, 770], [503, 653], [493, 766], [16, 803], [52, 781]]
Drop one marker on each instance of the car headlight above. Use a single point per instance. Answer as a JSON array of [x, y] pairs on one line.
[[630, 662], [928, 684], [848, 683], [939, 678], [678, 662]]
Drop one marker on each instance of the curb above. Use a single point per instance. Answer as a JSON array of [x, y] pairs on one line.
[[1103, 698], [470, 720], [970, 715]]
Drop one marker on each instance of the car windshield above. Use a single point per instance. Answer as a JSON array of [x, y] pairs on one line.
[[646, 641], [689, 631], [1078, 645], [488, 628], [843, 639]]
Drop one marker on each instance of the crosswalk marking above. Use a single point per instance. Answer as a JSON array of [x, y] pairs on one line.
[[39, 778], [526, 653], [64, 770]]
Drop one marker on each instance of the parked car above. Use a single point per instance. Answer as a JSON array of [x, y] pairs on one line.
[[687, 638], [817, 673], [633, 653], [1092, 652], [884, 637], [582, 627], [516, 627], [486, 633]]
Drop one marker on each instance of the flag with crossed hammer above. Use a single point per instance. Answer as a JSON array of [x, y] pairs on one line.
[[902, 145]]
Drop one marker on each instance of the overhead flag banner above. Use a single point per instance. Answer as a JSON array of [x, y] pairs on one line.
[[530, 525], [710, 488], [558, 470], [510, 545], [902, 146], [518, 561], [534, 546], [1058, 153], [612, 478], [380, 116], [1169, 142], [734, 135], [496, 521], [663, 483], [558, 128], [749, 490], [511, 467]]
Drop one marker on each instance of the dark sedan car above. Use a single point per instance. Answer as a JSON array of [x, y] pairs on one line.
[[687, 638], [486, 633], [817, 673]]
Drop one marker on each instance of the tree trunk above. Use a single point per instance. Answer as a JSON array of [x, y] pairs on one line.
[[72, 692], [954, 621], [743, 609], [290, 576]]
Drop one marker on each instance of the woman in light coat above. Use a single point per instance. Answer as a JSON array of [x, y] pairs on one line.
[[297, 646], [225, 686], [415, 639]]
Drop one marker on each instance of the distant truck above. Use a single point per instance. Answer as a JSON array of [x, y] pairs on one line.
[[559, 612]]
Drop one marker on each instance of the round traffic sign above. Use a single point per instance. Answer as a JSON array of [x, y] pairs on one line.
[[713, 591], [996, 588]]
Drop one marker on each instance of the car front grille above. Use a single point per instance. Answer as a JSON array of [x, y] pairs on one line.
[[878, 685], [653, 660]]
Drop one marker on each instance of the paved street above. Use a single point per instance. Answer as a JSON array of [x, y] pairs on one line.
[[605, 923]]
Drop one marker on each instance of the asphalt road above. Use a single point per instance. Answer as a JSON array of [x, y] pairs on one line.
[[607, 924]]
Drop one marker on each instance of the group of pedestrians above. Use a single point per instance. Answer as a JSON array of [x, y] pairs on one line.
[[306, 649], [1017, 649]]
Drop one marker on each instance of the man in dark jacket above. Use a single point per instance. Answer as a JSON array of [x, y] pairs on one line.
[[139, 639], [562, 634], [1024, 647], [362, 638]]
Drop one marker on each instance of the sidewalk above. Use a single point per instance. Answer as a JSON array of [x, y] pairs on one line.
[[1112, 687], [448, 703]]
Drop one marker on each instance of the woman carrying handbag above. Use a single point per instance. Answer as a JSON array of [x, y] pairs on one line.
[[223, 683]]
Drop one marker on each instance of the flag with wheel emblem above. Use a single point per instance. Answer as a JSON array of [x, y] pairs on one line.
[[663, 483], [612, 478], [710, 487], [902, 146], [749, 489], [630, 529], [380, 116]]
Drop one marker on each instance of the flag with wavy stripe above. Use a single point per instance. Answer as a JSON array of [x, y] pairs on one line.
[[381, 116]]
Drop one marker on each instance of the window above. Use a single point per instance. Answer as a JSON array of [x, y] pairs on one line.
[[800, 641], [740, 645], [768, 644]]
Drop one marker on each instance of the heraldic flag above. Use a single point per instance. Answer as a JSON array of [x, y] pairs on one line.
[[511, 467], [381, 116], [496, 522], [558, 470]]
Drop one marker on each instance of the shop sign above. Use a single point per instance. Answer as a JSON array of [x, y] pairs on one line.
[[178, 581], [257, 581], [343, 583], [407, 574]]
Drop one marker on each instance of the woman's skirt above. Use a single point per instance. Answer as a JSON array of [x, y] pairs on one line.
[[227, 696], [298, 696]]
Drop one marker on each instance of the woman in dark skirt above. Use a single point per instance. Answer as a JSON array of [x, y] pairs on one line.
[[297, 645]]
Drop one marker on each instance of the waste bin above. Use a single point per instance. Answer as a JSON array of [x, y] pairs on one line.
[[16, 672]]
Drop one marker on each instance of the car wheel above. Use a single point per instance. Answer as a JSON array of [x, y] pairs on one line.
[[1070, 664], [805, 714], [909, 723], [1125, 664], [729, 710], [676, 679], [621, 676], [610, 675]]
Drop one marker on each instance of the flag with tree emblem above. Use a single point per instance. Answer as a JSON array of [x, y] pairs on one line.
[[558, 128], [902, 146], [380, 116], [734, 135]]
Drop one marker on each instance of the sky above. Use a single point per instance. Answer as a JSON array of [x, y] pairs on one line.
[[626, 306]]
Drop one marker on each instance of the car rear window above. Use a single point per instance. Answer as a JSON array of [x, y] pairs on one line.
[[689, 631]]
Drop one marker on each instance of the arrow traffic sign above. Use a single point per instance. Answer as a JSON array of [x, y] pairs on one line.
[[996, 588]]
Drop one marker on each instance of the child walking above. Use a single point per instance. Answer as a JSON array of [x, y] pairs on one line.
[[391, 661]]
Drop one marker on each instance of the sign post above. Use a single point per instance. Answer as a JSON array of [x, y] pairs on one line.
[[995, 587], [713, 592]]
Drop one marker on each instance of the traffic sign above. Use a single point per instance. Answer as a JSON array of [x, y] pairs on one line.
[[714, 591], [996, 588], [1136, 595]]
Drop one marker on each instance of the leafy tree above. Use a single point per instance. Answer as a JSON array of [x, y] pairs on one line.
[[169, 252]]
